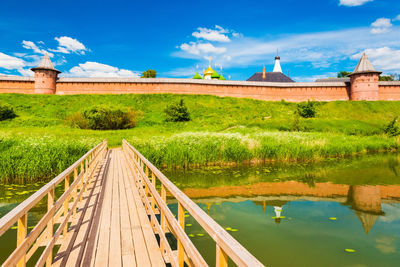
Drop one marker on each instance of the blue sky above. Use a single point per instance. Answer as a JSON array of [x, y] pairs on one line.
[[123, 38]]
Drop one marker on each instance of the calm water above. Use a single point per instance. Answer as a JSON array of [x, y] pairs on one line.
[[285, 214], [303, 214]]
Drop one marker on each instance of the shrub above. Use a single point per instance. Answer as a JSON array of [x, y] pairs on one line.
[[307, 109], [103, 117], [77, 120], [392, 129], [177, 112], [6, 112]]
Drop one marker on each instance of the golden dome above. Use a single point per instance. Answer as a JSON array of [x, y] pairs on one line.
[[209, 71]]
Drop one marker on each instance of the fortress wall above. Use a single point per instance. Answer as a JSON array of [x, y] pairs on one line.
[[17, 84], [256, 90], [389, 90]]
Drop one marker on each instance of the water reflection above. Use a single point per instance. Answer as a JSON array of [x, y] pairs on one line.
[[319, 210]]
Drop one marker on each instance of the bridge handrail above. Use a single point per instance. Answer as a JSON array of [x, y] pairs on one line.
[[226, 245], [37, 237]]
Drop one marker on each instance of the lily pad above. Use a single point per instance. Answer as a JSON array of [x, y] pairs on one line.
[[350, 250], [200, 234], [234, 230], [332, 218], [188, 224], [187, 215], [228, 228], [190, 235]]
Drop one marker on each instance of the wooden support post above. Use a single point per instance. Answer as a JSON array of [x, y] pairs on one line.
[[50, 203], [66, 203], [82, 176], [221, 258], [164, 199], [153, 182], [21, 234], [145, 184], [181, 221], [75, 190]]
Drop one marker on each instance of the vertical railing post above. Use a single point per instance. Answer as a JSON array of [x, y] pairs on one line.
[[153, 182], [221, 258], [164, 199], [50, 203], [83, 174], [66, 203], [181, 221], [75, 190], [21, 234], [146, 190]]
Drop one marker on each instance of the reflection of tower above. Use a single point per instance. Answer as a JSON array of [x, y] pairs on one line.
[[208, 206], [277, 204], [365, 200]]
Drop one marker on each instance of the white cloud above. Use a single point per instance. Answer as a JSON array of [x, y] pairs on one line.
[[397, 18], [381, 25], [10, 62], [67, 45], [386, 244], [353, 2], [25, 72], [217, 35], [384, 58], [35, 48], [95, 69], [201, 48], [319, 50]]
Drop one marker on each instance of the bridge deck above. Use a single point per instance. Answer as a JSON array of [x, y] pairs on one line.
[[112, 227]]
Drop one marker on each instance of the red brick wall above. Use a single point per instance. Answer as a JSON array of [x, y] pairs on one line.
[[17, 86], [389, 91], [322, 93]]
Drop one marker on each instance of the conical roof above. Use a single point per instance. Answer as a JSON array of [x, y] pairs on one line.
[[45, 64], [215, 75], [364, 66], [221, 77], [367, 220]]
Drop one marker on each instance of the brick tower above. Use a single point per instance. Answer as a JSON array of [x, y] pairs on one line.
[[45, 77], [364, 81]]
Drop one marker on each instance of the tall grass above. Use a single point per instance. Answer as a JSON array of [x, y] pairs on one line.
[[186, 149], [33, 159]]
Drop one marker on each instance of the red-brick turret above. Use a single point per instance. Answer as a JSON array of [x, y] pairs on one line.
[[45, 77], [364, 81]]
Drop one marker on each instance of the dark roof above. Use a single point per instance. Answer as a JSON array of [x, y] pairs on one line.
[[276, 77]]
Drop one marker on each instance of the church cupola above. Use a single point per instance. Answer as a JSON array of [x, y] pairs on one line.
[[277, 67]]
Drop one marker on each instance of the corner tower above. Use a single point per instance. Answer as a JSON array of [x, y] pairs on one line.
[[45, 76], [364, 81]]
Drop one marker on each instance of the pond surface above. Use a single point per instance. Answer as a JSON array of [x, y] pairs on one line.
[[303, 214], [293, 214]]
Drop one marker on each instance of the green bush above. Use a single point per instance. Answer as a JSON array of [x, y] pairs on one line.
[[307, 109], [6, 112], [103, 117], [392, 129], [177, 112]]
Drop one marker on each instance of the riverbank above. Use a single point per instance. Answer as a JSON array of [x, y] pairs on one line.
[[221, 131]]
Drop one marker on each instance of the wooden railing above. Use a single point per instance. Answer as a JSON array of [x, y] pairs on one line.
[[59, 211], [147, 175]]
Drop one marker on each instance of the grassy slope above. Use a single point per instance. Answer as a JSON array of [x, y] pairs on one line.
[[45, 115]]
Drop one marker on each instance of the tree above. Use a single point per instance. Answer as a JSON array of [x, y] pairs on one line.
[[177, 112], [343, 74], [389, 77], [149, 74]]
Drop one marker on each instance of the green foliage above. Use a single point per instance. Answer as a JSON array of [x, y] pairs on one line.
[[32, 159], [149, 74], [103, 117], [6, 112], [307, 109], [177, 112], [386, 78], [392, 129], [343, 74]]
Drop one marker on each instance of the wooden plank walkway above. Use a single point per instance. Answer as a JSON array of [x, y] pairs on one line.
[[112, 227]]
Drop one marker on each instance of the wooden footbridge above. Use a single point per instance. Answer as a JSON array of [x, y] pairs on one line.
[[110, 209]]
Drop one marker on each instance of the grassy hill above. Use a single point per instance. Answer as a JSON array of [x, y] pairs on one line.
[[221, 129]]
